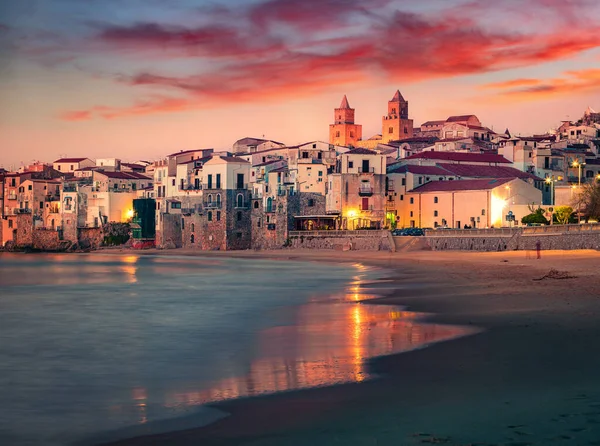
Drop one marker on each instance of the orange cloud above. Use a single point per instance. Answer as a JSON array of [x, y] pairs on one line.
[[574, 82], [255, 64]]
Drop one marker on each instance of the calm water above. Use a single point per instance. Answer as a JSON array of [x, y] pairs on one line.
[[96, 347]]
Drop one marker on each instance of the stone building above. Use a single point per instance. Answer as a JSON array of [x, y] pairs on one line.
[[357, 191], [344, 131], [396, 125]]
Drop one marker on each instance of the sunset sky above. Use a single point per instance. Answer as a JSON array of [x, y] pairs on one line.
[[138, 79]]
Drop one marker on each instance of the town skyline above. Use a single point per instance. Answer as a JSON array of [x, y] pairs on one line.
[[81, 80]]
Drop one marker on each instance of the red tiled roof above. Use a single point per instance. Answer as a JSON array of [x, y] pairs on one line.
[[460, 118], [454, 139], [460, 185], [424, 139], [360, 151], [70, 160], [460, 157], [124, 175], [433, 123], [485, 171], [420, 170]]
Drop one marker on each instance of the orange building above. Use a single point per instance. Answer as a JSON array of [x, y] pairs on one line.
[[344, 132], [396, 125]]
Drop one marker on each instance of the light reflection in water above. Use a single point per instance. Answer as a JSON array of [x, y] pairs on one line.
[[329, 343]]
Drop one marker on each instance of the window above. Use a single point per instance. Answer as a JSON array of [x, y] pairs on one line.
[[176, 205], [218, 200], [239, 216], [391, 130], [403, 181], [411, 213], [320, 173], [337, 134], [209, 185], [197, 183], [218, 215], [401, 197], [29, 187], [435, 200], [350, 164], [412, 200], [256, 204], [240, 201], [483, 212], [240, 181], [406, 130], [314, 146], [181, 186], [210, 198], [192, 238], [209, 217], [72, 167], [351, 134], [365, 166], [182, 223], [435, 213], [218, 185], [311, 202], [393, 111], [173, 182], [238, 234], [304, 155], [259, 222], [319, 155], [193, 228], [269, 204], [420, 180], [10, 223], [41, 205], [365, 204]]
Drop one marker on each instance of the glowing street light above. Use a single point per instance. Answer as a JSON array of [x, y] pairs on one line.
[[551, 181], [578, 165]]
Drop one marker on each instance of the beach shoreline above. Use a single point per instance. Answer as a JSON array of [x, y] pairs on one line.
[[530, 367]]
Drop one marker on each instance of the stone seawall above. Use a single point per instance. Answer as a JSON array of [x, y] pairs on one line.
[[518, 240], [342, 242]]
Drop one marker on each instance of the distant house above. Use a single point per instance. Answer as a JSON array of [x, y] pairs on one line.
[[70, 165], [251, 145]]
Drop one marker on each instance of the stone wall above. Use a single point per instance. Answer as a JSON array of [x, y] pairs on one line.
[[343, 242], [24, 236], [90, 238], [170, 236], [518, 240], [47, 240]]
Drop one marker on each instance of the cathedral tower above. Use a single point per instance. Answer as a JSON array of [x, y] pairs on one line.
[[344, 132], [396, 124]]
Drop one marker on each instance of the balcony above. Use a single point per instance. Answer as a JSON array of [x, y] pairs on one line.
[[69, 188], [365, 191], [23, 211], [241, 186], [390, 205], [12, 196], [190, 187], [212, 205], [52, 197], [366, 208], [365, 171]]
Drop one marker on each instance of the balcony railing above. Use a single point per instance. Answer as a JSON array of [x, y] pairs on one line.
[[369, 170], [190, 187], [52, 197], [69, 188], [12, 196], [23, 211], [212, 205], [365, 191]]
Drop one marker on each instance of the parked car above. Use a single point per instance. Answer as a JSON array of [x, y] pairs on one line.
[[414, 232]]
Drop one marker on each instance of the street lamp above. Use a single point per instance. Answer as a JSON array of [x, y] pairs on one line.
[[551, 181], [578, 165]]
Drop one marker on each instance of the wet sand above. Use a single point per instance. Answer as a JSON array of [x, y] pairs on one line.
[[530, 378]]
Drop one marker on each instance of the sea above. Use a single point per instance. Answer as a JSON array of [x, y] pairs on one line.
[[99, 347]]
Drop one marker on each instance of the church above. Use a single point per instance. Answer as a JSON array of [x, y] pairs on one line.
[[395, 126]]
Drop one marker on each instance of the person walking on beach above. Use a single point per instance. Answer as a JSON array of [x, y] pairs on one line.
[[538, 248]]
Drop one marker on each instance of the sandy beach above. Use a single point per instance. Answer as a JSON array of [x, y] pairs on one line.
[[529, 378]]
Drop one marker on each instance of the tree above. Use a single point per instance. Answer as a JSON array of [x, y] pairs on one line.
[[588, 200], [536, 217], [563, 215]]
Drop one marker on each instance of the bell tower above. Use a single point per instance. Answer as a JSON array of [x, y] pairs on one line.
[[396, 124], [344, 132]]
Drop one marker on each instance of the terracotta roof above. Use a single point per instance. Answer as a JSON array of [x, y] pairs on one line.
[[485, 171], [133, 165], [360, 151], [202, 160], [420, 170], [460, 118], [422, 139], [266, 163], [460, 157], [460, 185], [124, 175], [454, 139], [70, 160], [433, 123]]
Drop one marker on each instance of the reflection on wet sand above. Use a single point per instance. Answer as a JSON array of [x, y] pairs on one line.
[[328, 343]]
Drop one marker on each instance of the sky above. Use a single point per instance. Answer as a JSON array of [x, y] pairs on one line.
[[138, 79]]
